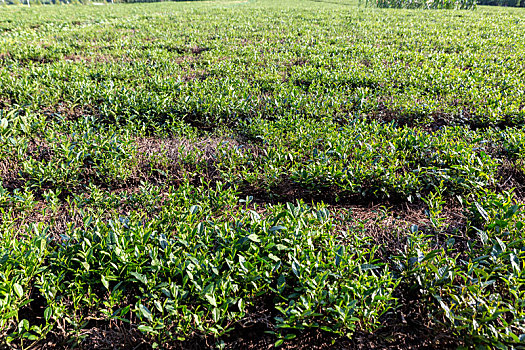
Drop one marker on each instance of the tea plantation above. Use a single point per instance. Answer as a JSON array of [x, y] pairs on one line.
[[263, 173]]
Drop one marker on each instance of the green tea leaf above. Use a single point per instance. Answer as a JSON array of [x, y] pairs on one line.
[[18, 290]]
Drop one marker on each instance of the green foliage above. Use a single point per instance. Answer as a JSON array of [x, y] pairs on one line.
[[67, 160], [171, 65], [429, 4], [205, 277], [162, 169], [21, 262], [479, 290]]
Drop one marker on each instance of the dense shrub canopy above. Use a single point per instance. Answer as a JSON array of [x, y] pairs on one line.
[[242, 174]]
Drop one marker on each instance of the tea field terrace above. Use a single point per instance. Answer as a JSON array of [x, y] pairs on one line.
[[240, 174]]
